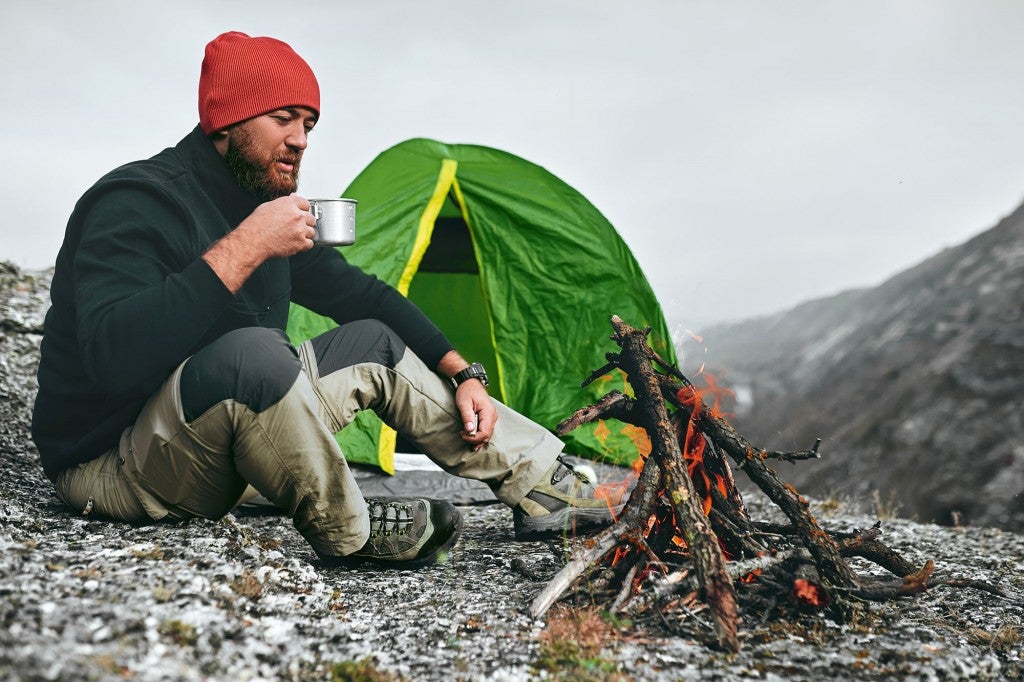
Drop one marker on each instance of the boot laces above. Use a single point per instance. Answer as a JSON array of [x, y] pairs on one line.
[[387, 518], [555, 478]]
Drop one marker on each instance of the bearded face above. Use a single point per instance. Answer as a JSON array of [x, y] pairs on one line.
[[268, 171]]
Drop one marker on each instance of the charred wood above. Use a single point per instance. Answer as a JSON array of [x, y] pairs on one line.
[[700, 539], [834, 570]]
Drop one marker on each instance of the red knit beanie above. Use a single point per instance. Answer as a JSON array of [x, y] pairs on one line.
[[244, 77]]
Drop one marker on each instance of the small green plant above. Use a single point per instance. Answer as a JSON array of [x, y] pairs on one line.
[[179, 632], [617, 621], [363, 670], [572, 645], [162, 595]]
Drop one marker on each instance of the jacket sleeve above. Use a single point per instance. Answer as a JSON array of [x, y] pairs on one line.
[[326, 283], [144, 297]]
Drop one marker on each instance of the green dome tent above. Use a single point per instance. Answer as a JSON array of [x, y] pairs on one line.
[[518, 269]]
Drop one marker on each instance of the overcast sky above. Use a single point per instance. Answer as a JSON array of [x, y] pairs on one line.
[[752, 154]]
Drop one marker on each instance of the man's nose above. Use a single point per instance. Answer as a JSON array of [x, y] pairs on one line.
[[297, 138]]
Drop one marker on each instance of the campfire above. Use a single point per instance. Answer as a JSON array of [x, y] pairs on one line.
[[685, 543]]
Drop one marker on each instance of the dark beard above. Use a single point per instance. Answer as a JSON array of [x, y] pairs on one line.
[[254, 174]]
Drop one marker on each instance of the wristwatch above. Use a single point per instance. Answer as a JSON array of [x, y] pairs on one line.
[[474, 371]]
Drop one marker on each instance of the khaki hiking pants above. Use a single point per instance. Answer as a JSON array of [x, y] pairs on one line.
[[251, 409]]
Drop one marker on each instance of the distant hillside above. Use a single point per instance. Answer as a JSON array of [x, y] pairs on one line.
[[916, 386]]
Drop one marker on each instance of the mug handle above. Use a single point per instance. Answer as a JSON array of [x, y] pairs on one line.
[[318, 213]]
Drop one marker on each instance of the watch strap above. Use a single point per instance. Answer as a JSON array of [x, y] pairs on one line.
[[474, 371]]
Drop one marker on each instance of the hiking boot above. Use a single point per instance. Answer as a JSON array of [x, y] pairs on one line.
[[405, 532], [563, 502]]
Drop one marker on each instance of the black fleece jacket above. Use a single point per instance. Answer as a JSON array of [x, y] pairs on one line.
[[131, 297]]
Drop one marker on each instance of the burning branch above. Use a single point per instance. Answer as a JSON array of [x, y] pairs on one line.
[[690, 517]]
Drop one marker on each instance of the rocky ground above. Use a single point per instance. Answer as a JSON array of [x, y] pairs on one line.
[[243, 598]]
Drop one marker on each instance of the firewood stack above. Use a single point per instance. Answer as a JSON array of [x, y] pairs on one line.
[[685, 544]]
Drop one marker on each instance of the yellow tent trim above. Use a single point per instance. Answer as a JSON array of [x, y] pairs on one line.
[[388, 436], [386, 448], [426, 227]]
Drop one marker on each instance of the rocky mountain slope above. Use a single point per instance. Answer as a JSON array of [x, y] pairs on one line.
[[916, 386]]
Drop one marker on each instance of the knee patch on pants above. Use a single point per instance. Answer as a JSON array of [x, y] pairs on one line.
[[356, 343], [254, 366]]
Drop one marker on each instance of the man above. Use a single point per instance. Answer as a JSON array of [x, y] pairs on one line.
[[166, 383]]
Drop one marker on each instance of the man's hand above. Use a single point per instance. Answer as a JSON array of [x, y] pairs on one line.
[[476, 407], [478, 413], [280, 228], [276, 229]]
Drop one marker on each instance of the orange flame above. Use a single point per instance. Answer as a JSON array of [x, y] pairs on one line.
[[751, 577], [808, 593], [694, 398], [612, 494], [615, 491], [620, 552], [651, 523]]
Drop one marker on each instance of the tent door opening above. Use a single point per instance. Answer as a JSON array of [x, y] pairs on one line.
[[447, 288]]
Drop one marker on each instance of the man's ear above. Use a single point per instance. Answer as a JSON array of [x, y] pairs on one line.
[[220, 140]]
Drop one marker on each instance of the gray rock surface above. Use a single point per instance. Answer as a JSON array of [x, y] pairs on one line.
[[243, 599]]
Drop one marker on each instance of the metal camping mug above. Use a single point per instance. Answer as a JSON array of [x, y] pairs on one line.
[[335, 221]]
